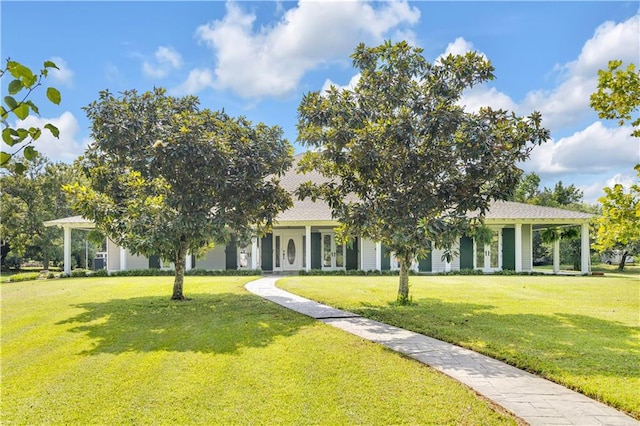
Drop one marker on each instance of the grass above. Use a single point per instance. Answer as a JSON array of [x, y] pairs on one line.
[[582, 332], [116, 350]]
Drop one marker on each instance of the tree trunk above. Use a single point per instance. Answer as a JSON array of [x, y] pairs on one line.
[[623, 261], [178, 282], [403, 289]]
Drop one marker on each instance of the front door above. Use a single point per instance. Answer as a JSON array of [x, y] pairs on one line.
[[333, 253], [287, 251], [488, 256]]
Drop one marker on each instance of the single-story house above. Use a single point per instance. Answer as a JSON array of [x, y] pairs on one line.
[[303, 238]]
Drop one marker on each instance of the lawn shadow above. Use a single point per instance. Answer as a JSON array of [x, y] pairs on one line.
[[575, 343], [218, 323]]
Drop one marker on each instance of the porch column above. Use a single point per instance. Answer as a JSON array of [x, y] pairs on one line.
[[307, 248], [585, 255], [518, 254], [254, 253], [556, 256], [123, 259], [447, 266], [187, 262], [379, 256], [67, 250]]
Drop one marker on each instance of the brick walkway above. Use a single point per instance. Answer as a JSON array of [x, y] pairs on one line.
[[535, 400]]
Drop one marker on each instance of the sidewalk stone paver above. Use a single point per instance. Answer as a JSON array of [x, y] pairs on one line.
[[533, 399]]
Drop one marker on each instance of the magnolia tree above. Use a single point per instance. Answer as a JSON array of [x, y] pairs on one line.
[[618, 227], [167, 178], [17, 103], [404, 163]]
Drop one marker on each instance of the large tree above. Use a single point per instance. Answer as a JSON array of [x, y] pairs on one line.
[[167, 178], [404, 163], [27, 199], [618, 95], [618, 227]]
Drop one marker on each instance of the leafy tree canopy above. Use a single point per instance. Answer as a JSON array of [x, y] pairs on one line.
[[618, 227], [404, 162], [618, 95], [18, 104], [167, 178], [27, 199]]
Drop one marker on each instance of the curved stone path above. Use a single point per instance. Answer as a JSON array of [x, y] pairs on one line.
[[535, 400]]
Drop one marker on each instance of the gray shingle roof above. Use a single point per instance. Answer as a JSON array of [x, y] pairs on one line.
[[508, 211]]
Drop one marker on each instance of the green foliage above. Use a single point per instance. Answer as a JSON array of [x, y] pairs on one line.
[[167, 178], [24, 276], [618, 95], [22, 86], [403, 162], [27, 199], [79, 272], [618, 227]]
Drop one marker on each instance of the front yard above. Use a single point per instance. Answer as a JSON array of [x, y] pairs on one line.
[[582, 332], [118, 351]]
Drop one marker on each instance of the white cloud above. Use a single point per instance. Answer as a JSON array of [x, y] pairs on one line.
[[167, 59], [271, 60], [198, 80], [66, 148], [62, 75], [595, 190], [479, 96], [459, 46], [569, 101], [351, 85], [596, 149]]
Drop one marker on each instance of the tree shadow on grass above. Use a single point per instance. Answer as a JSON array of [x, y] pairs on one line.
[[220, 323], [577, 344]]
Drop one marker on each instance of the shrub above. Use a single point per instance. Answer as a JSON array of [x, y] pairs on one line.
[[80, 272], [24, 276]]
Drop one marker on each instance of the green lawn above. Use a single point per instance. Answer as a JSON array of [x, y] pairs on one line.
[[118, 351], [582, 332]]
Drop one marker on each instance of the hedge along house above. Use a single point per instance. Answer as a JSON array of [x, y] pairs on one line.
[[303, 238]]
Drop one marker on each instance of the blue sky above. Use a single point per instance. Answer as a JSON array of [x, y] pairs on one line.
[[259, 58]]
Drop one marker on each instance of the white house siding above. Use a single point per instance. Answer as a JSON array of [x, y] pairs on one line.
[[368, 255], [113, 256], [137, 262], [213, 260], [455, 262], [437, 264], [527, 261]]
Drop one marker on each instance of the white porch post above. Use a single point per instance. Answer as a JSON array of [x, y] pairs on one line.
[[67, 250], [518, 244], [379, 256], [556, 256], [307, 248], [123, 259], [447, 266], [187, 262], [584, 249], [254, 253]]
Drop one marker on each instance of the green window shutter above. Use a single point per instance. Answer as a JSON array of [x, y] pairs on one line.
[[316, 248], [509, 249], [231, 255], [386, 258], [154, 262], [466, 253], [266, 255], [352, 255], [424, 264]]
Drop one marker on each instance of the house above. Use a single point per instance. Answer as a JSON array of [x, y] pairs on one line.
[[303, 238]]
